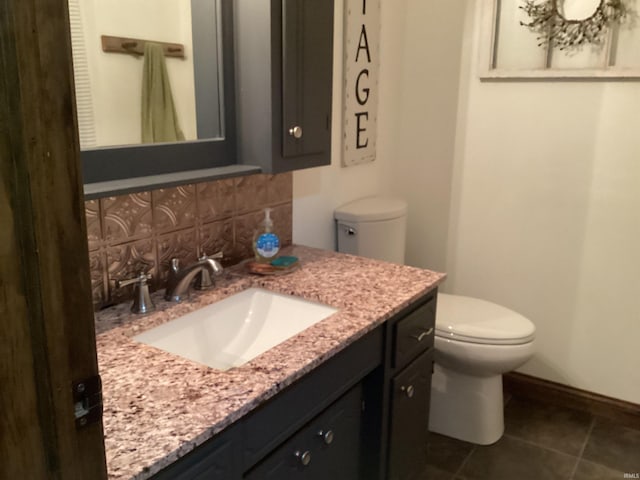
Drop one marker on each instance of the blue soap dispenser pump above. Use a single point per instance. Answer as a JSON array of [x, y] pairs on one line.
[[266, 243]]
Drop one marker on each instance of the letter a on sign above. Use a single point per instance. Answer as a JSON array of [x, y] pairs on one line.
[[361, 67]]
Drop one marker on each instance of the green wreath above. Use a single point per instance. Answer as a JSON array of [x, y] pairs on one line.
[[553, 28]]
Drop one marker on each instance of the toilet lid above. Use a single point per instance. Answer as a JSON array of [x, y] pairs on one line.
[[473, 320], [371, 209]]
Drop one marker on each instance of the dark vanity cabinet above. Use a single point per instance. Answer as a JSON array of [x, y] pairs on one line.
[[409, 419], [284, 72], [327, 447], [215, 459], [362, 414], [410, 391]]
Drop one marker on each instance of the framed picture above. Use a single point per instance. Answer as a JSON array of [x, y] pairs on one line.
[[559, 39]]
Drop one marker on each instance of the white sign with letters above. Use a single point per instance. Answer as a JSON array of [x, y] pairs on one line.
[[361, 67]]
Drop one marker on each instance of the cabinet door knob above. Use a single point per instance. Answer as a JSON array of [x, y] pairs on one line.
[[303, 457], [296, 132], [409, 391], [327, 436]]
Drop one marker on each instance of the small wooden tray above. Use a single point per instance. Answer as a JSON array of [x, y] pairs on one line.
[[268, 269]]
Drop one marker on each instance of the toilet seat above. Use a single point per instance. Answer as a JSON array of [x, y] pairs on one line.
[[472, 320]]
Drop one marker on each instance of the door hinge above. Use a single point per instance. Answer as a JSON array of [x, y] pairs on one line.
[[87, 401]]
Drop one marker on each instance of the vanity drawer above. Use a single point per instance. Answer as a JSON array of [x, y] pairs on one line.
[[275, 421], [326, 448], [414, 333]]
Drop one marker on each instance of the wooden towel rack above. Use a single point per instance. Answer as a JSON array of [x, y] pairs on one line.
[[135, 46]]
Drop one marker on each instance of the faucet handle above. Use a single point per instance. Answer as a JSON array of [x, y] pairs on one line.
[[204, 280], [142, 302], [141, 278], [215, 256]]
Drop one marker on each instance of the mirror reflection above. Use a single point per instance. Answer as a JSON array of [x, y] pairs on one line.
[[577, 10], [110, 86]]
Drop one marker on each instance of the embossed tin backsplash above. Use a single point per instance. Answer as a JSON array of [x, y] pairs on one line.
[[144, 231]]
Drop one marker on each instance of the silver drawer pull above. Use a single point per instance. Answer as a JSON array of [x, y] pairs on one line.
[[409, 391], [424, 333], [327, 436], [303, 457]]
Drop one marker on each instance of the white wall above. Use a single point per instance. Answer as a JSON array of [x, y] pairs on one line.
[[117, 78], [317, 191], [425, 100], [546, 219], [525, 193], [416, 131]]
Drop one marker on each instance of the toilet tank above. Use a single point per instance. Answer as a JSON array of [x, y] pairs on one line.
[[373, 227]]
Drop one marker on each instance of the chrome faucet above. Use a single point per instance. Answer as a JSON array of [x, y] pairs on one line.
[[180, 279]]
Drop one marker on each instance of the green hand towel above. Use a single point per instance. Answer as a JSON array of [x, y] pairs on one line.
[[159, 118]]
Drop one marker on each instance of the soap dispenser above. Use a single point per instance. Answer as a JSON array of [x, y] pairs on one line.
[[266, 243]]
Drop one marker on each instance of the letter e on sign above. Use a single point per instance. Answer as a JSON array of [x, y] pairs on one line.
[[361, 73]]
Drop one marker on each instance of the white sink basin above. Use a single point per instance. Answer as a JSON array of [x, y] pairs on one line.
[[236, 329]]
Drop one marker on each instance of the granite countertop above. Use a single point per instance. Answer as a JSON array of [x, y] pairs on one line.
[[158, 406]]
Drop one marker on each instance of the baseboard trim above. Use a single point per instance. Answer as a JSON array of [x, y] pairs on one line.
[[545, 391]]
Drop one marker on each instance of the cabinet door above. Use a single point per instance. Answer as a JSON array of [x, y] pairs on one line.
[[216, 458], [410, 396], [327, 448], [307, 61]]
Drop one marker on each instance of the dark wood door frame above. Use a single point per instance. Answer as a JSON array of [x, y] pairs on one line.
[[47, 336]]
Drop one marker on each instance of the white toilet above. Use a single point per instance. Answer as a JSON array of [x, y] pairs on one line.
[[373, 227], [475, 341]]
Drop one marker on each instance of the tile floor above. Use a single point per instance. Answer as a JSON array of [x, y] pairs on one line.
[[541, 442]]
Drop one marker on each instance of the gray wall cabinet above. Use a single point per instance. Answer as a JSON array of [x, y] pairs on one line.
[[284, 77], [363, 414]]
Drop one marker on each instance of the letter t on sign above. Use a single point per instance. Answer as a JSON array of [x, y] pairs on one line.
[[361, 70]]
